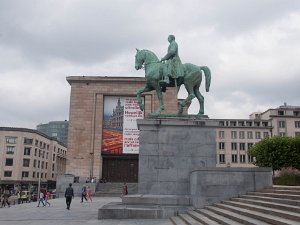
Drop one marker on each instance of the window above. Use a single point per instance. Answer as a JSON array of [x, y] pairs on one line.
[[233, 134], [52, 175], [296, 113], [46, 165], [266, 134], [250, 159], [297, 124], [257, 135], [222, 158], [10, 150], [11, 140], [26, 162], [221, 134], [42, 175], [34, 163], [28, 141], [35, 151], [47, 155], [233, 146], [281, 124], [7, 173], [242, 146], [234, 158], [45, 175], [242, 134], [242, 158], [36, 143], [33, 174], [9, 162], [54, 134], [42, 164], [282, 134], [250, 145], [39, 164], [25, 173], [53, 159], [27, 151], [280, 113], [221, 145], [53, 166], [249, 135], [297, 134]]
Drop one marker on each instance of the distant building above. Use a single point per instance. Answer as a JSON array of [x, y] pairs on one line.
[[235, 136], [27, 155], [55, 129]]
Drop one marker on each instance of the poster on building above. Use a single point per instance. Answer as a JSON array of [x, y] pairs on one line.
[[120, 134]]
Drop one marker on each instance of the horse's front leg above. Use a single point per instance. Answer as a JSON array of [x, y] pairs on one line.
[[139, 98], [160, 99]]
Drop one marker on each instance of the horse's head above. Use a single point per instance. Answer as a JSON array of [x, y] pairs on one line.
[[139, 59]]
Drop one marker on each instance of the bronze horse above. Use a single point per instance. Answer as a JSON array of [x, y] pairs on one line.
[[154, 70]]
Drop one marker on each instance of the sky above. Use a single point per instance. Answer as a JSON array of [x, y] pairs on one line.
[[252, 48]]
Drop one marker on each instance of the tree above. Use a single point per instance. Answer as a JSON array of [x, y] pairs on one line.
[[277, 152]]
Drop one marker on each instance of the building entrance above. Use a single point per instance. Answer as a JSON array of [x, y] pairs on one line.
[[120, 169]]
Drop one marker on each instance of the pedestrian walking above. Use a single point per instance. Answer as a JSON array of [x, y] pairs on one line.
[[4, 199], [83, 193], [47, 197], [89, 193], [41, 199], [124, 190], [69, 194]]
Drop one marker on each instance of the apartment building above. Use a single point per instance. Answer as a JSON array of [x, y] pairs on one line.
[[28, 157], [235, 137]]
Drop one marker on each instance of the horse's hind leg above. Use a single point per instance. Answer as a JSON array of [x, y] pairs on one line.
[[200, 99], [189, 98]]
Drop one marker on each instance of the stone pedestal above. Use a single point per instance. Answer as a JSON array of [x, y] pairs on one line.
[[170, 150], [177, 171]]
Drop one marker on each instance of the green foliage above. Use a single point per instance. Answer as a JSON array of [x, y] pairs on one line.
[[277, 152], [289, 180]]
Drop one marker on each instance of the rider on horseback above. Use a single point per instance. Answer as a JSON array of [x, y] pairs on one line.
[[175, 68]]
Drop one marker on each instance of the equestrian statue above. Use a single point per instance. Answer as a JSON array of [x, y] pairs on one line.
[[170, 72]]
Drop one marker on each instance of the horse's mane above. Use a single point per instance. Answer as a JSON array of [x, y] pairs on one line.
[[150, 52]]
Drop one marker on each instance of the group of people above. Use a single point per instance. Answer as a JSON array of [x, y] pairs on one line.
[[4, 199], [86, 193], [43, 198]]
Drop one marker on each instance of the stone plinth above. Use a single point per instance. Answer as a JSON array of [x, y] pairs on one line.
[[170, 149]]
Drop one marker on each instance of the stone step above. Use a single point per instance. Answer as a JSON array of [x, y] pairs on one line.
[[257, 215], [204, 219], [177, 221], [266, 210], [114, 189], [281, 187], [281, 206], [189, 220], [228, 218], [282, 191], [276, 195], [270, 199], [157, 199], [118, 210]]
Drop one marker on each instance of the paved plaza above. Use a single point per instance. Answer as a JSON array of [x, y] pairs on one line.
[[57, 214]]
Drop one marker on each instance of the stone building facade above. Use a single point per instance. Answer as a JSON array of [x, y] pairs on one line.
[[86, 123], [27, 155]]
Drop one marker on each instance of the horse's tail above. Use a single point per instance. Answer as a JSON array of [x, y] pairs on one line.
[[207, 77]]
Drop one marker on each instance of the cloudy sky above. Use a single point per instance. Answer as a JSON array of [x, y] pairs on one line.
[[251, 46]]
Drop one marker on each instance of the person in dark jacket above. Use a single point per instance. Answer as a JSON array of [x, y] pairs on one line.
[[69, 194]]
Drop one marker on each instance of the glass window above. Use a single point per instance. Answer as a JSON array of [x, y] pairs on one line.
[[221, 134], [27, 151], [26, 162], [242, 134], [53, 158], [7, 173], [28, 141], [222, 158], [257, 135], [242, 158], [11, 140], [249, 134], [281, 113], [266, 134], [33, 174], [250, 145], [10, 150], [34, 163], [221, 145], [242, 146], [25, 174], [297, 124], [233, 134], [233, 146], [281, 124], [234, 158], [282, 134], [9, 162], [250, 159]]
